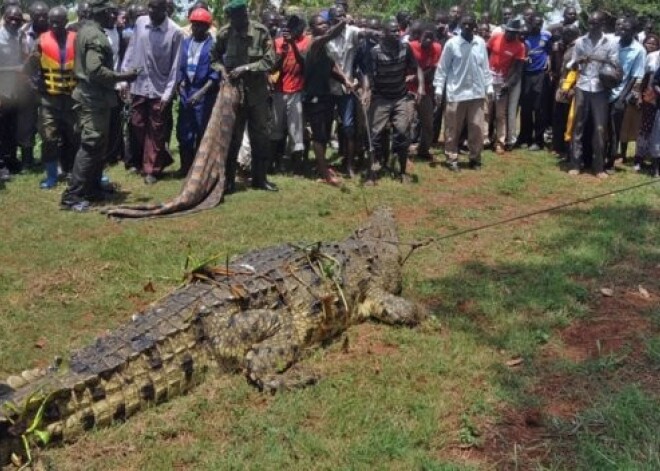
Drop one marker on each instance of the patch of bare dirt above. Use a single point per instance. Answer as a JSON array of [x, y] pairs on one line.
[[364, 341], [522, 438]]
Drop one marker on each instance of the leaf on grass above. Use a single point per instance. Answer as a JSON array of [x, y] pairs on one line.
[[644, 292], [16, 460], [41, 343], [514, 362], [43, 436], [607, 292], [149, 288], [238, 291]]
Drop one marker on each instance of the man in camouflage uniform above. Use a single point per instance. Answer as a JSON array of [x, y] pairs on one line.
[[94, 97], [244, 49]]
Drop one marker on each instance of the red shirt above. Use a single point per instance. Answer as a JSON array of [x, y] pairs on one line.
[[427, 59], [291, 78], [503, 53]]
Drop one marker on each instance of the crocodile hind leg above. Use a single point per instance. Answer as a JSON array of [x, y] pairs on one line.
[[262, 342], [271, 364], [389, 308]]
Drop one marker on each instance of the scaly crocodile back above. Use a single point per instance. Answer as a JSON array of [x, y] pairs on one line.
[[205, 183]]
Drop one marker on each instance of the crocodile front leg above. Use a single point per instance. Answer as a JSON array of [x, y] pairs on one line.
[[389, 308]]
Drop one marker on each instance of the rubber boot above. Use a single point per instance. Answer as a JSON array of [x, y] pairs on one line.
[[51, 176], [187, 157], [656, 168], [277, 153], [27, 157], [297, 163], [4, 172]]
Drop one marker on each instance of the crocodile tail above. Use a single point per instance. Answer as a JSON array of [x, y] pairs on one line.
[[159, 355], [205, 184]]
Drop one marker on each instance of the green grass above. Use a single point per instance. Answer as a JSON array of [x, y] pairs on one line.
[[621, 433], [426, 398]]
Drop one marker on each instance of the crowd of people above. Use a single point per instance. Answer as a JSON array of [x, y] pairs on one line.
[[101, 90]]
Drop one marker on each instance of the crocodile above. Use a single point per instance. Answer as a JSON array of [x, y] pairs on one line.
[[258, 315]]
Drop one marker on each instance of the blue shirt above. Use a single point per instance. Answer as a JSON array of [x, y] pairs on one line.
[[539, 47], [632, 59]]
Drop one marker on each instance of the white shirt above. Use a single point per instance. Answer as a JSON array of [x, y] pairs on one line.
[[605, 48], [342, 50], [194, 51], [652, 62], [464, 70]]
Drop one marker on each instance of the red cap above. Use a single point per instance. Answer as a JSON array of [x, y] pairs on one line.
[[201, 15]]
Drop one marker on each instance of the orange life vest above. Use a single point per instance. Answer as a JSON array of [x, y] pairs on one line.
[[57, 71]]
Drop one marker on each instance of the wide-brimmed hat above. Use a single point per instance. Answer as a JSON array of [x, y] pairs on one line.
[[514, 26]]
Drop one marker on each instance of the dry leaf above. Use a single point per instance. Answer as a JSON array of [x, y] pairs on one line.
[[608, 292], [644, 292], [238, 291], [514, 362], [41, 343], [149, 288]]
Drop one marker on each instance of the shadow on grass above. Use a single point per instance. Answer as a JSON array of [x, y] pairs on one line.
[[512, 304], [517, 304]]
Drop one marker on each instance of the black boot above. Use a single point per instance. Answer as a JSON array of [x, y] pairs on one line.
[[187, 156], [27, 157], [297, 163], [656, 168], [4, 172], [230, 176], [12, 164], [277, 153]]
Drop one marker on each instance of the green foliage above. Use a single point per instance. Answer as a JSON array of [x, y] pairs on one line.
[[468, 434], [382, 9], [648, 8], [33, 435]]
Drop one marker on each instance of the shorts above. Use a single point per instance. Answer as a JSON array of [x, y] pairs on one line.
[[319, 113]]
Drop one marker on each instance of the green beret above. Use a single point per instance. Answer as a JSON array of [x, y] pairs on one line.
[[98, 6], [235, 5]]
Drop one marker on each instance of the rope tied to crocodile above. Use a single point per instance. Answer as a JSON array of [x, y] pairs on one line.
[[204, 186]]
